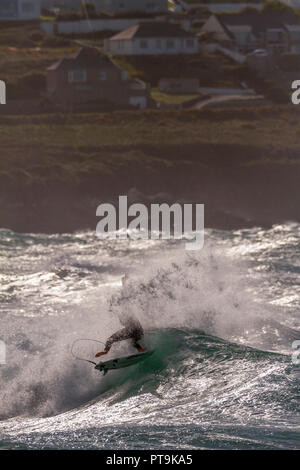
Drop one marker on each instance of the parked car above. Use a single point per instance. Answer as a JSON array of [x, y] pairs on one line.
[[259, 53]]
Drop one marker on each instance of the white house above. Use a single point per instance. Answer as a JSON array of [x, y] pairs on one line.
[[20, 9], [247, 31], [152, 38]]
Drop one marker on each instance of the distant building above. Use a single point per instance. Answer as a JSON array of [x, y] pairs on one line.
[[277, 33], [152, 38], [20, 10], [111, 6], [90, 77], [129, 6]]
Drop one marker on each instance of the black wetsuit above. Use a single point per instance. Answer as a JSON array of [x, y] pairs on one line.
[[133, 330]]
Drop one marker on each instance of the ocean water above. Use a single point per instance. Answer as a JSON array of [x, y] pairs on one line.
[[222, 321]]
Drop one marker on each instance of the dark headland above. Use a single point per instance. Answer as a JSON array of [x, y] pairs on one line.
[[243, 164]]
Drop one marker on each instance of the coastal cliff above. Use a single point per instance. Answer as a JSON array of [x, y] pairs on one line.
[[243, 164]]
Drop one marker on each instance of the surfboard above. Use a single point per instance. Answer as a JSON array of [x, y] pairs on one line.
[[120, 362]]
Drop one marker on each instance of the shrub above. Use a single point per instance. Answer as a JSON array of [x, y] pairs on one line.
[[26, 43], [68, 16], [247, 126], [289, 62], [87, 8], [55, 41], [35, 81], [278, 95], [36, 36], [275, 6]]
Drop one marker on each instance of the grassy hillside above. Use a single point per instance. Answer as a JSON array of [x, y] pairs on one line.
[[24, 70], [20, 34], [73, 148], [25, 53], [242, 163], [211, 69], [175, 99], [27, 34]]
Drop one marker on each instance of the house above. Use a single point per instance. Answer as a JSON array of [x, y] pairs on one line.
[[216, 30], [179, 85], [89, 77], [152, 38], [20, 10], [130, 6], [251, 30], [293, 31]]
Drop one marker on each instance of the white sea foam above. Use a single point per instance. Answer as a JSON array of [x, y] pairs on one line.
[[59, 288]]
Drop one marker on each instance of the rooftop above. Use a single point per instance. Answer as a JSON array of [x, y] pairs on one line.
[[86, 56], [259, 22]]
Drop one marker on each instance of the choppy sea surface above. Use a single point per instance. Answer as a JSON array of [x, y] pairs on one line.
[[222, 321]]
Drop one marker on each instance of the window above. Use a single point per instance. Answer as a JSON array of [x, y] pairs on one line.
[[102, 76], [77, 76], [170, 44], [158, 43], [143, 44], [275, 35], [295, 49], [190, 43], [7, 7]]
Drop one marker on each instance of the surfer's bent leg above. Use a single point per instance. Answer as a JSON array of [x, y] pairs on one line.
[[120, 335], [135, 334]]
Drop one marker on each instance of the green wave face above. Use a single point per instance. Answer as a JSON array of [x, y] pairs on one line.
[[211, 393], [208, 374]]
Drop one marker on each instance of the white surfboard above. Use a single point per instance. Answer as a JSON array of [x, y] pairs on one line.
[[120, 362]]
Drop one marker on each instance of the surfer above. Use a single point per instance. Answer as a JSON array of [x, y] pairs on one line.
[[133, 330]]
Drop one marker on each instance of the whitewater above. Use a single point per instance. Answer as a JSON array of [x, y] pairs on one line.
[[222, 321]]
